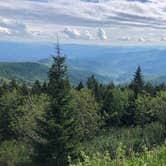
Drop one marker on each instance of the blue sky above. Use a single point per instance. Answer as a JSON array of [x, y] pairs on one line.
[[114, 22]]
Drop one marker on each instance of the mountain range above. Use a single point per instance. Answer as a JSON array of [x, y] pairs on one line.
[[106, 62]]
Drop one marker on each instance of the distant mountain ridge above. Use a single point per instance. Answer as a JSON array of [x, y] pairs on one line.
[[109, 63]]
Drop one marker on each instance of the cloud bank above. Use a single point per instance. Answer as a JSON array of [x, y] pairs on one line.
[[82, 20]]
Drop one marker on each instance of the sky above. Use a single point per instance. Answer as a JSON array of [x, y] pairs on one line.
[[109, 22]]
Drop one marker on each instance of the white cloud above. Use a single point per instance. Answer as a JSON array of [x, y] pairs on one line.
[[12, 27], [102, 34], [72, 33], [87, 35], [22, 17], [4, 30], [163, 38], [76, 34], [141, 39], [125, 38]]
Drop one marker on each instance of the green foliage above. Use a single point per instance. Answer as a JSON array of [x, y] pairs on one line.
[[143, 110], [159, 106], [94, 86], [130, 138], [9, 112], [97, 159], [32, 108], [116, 102], [138, 82], [14, 153], [37, 88], [24, 89], [80, 86], [86, 115], [32, 71], [149, 158], [27, 71], [47, 122], [18, 114], [55, 133]]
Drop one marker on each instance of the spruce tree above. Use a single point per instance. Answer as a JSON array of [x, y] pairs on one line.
[[13, 84], [36, 88], [93, 85], [138, 82], [80, 86], [24, 89], [53, 143], [44, 87]]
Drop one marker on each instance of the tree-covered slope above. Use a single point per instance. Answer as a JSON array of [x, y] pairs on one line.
[[31, 71], [27, 71]]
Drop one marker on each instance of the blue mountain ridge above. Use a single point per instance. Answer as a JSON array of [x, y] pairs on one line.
[[117, 63]]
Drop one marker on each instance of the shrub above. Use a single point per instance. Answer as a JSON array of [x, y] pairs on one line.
[[13, 153]]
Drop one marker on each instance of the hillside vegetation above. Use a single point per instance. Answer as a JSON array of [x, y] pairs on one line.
[[53, 123], [25, 71], [32, 71], [155, 157]]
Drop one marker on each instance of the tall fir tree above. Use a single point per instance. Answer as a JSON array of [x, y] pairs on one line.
[[138, 82], [93, 85], [80, 86], [24, 89], [55, 135], [36, 88], [44, 87], [13, 84]]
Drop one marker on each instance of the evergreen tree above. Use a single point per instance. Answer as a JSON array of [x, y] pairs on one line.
[[44, 87], [36, 88], [55, 133], [149, 88], [93, 85], [9, 104], [24, 89], [115, 104], [4, 88], [13, 84], [86, 114], [138, 82], [80, 86]]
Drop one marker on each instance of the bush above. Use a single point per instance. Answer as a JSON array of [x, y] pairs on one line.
[[131, 139], [149, 158], [13, 153]]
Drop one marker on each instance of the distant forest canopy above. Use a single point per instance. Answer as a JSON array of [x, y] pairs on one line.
[[31, 71], [53, 123]]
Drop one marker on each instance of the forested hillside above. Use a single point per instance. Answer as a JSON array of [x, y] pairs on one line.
[[54, 123], [23, 71], [31, 71]]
